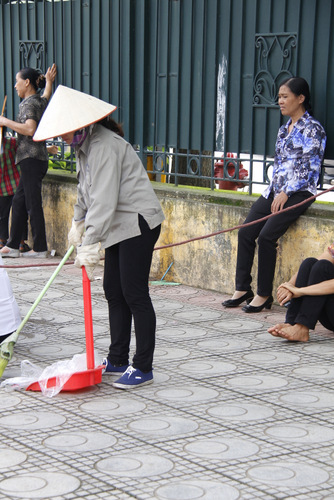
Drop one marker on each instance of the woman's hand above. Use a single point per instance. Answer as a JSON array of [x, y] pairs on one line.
[[88, 256], [286, 292], [53, 149], [50, 76], [283, 295], [279, 202], [51, 73]]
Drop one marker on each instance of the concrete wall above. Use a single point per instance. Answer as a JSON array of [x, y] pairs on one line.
[[191, 212]]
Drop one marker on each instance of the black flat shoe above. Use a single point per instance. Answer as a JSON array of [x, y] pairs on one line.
[[256, 309], [248, 296]]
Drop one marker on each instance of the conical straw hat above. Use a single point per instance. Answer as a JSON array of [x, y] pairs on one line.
[[70, 110]]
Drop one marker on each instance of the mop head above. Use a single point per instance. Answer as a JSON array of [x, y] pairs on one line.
[[7, 350]]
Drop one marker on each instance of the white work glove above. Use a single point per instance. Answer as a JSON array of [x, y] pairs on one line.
[[88, 256], [76, 232]]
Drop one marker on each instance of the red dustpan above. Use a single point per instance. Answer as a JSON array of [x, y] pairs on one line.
[[93, 375]]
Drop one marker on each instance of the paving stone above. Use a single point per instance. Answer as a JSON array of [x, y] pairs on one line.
[[233, 413]]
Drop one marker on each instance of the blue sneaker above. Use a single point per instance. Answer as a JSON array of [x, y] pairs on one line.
[[112, 369], [133, 378]]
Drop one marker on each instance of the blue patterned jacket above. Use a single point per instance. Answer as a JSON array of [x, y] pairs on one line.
[[298, 157]]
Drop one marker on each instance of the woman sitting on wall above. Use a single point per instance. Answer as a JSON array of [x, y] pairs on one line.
[[299, 153]]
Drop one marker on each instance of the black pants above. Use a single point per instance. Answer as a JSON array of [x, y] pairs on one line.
[[309, 309], [126, 274], [5, 206], [28, 197], [267, 234]]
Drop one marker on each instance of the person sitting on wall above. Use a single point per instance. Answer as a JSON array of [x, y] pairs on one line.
[[299, 154]]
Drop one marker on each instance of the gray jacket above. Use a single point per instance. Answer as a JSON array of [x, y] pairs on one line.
[[113, 188]]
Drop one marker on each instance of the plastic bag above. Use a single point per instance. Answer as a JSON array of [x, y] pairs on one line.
[[61, 370]]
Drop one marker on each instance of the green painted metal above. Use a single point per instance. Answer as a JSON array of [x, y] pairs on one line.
[[184, 74]]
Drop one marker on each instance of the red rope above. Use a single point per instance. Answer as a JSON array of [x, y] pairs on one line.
[[198, 237], [245, 225], [37, 265]]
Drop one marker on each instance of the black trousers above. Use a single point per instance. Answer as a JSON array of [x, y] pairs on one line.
[[28, 197], [5, 206], [309, 309], [267, 233], [126, 274]]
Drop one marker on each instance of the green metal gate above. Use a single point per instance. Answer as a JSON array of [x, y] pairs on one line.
[[189, 77]]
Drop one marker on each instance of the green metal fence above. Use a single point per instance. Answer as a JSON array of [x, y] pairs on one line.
[[191, 79]]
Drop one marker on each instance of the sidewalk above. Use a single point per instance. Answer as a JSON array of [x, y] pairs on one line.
[[233, 413]]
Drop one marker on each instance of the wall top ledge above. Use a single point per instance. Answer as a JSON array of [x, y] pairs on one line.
[[232, 198], [205, 195]]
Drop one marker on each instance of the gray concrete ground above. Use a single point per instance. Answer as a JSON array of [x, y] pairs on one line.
[[233, 412]]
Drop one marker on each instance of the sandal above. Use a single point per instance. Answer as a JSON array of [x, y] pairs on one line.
[[24, 247], [2, 243]]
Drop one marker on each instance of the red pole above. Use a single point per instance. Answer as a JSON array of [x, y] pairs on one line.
[[88, 320]]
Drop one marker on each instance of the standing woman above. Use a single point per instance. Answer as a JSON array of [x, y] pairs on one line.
[[299, 154], [33, 161], [118, 210]]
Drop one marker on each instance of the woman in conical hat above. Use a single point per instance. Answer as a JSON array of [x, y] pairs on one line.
[[117, 210]]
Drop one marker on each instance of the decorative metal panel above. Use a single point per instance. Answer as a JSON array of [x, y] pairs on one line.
[[32, 53], [275, 61]]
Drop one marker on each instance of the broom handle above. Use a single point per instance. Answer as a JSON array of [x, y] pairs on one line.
[[45, 289], [87, 299], [4, 105], [2, 112]]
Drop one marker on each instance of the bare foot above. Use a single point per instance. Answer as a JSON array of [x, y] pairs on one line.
[[9, 252], [276, 329], [295, 333], [5, 249]]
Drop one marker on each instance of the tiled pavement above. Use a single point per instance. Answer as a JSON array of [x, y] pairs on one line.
[[233, 412]]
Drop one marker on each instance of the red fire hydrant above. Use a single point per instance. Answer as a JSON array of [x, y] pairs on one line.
[[219, 172]]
